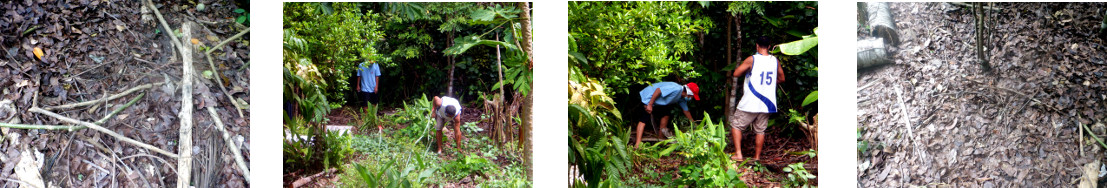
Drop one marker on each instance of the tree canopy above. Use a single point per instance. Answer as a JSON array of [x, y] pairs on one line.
[[325, 42]]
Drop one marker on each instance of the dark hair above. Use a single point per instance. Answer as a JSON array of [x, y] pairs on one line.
[[763, 41], [451, 111]]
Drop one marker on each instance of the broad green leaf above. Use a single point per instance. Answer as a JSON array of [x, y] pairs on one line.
[[814, 96], [800, 46]]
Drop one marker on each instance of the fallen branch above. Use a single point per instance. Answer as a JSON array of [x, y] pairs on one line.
[[112, 97], [42, 127], [73, 127], [103, 130], [184, 163], [218, 78], [230, 143], [306, 180]]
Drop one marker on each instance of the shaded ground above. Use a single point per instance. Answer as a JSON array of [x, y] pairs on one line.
[[1014, 127], [775, 154], [93, 49]]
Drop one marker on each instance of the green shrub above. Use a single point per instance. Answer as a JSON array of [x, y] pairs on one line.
[[387, 175], [702, 147], [369, 119], [310, 147], [416, 115], [470, 164], [798, 176], [390, 162]]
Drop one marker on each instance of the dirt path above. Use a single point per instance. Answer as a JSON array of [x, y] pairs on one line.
[[1014, 127], [92, 49]]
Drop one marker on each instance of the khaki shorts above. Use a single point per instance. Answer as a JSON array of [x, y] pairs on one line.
[[439, 121], [740, 120]]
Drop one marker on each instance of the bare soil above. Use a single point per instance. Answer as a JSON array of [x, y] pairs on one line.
[[1016, 126]]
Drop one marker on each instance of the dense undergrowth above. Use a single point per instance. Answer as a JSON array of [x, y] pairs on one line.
[[400, 155]]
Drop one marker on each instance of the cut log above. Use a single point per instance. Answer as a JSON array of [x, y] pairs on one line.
[[871, 52], [881, 22]]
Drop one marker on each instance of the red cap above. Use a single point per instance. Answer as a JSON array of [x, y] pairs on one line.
[[695, 90]]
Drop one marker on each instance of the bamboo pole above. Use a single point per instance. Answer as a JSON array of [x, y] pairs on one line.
[[871, 52], [882, 23]]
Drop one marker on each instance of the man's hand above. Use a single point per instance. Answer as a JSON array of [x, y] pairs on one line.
[[649, 108]]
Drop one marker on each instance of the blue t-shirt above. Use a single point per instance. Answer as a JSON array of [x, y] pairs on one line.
[[368, 76], [670, 93]]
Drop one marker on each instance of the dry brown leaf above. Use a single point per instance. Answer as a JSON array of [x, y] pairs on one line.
[[38, 53]]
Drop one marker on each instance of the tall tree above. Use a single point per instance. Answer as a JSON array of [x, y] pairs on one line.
[[528, 124]]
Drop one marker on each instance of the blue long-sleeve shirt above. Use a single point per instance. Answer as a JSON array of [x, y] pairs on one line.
[[670, 93]]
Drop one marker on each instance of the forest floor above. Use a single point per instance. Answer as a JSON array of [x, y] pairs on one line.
[[92, 49], [778, 151], [1016, 126]]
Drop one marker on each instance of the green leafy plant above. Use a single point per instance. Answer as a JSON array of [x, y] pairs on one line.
[[417, 117], [702, 147], [369, 118], [599, 152], [469, 165], [471, 127], [308, 146], [862, 145], [244, 18], [798, 176], [387, 175], [801, 46]]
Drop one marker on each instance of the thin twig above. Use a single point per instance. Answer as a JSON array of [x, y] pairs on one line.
[[103, 130], [224, 42], [230, 143], [969, 6], [903, 107], [1086, 129], [165, 25], [42, 127], [17, 181], [120, 109], [112, 97], [218, 78], [73, 127], [151, 156]]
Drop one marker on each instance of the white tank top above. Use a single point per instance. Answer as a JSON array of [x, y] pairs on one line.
[[448, 101], [759, 91]]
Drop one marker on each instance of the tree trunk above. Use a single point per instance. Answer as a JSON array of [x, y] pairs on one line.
[[978, 11], [450, 84], [729, 59], [732, 81], [525, 128], [499, 123]]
